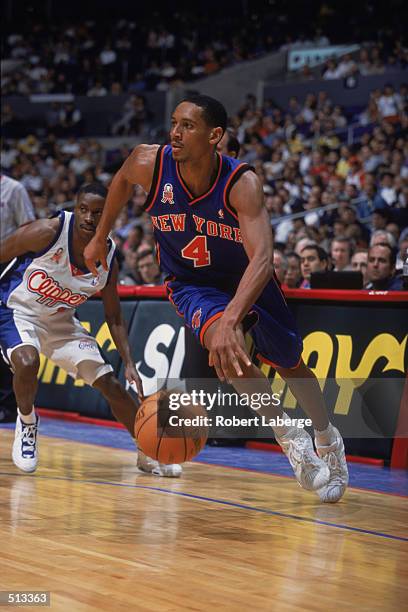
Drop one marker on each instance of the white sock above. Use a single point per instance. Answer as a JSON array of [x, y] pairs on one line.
[[281, 430], [325, 437], [28, 419]]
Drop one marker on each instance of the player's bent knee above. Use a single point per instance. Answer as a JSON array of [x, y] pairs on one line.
[[25, 361]]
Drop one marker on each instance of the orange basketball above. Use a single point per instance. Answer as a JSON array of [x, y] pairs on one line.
[[168, 435]]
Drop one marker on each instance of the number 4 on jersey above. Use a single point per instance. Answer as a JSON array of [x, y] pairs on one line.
[[197, 251]]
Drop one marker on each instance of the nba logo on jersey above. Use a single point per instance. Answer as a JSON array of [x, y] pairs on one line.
[[196, 319], [57, 255], [167, 196]]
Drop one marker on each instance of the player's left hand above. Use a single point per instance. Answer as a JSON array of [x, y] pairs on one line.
[[133, 378], [227, 351]]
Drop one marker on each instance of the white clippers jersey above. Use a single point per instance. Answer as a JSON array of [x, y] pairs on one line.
[[46, 283]]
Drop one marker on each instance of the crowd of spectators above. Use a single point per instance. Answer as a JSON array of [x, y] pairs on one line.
[[94, 59], [155, 49], [331, 205], [371, 60]]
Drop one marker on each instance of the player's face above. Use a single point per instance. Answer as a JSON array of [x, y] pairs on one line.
[[191, 138], [88, 211]]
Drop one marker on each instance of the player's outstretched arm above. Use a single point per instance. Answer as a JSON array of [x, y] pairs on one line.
[[118, 328], [136, 170], [35, 236]]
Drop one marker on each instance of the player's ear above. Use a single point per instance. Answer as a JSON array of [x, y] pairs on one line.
[[215, 135]]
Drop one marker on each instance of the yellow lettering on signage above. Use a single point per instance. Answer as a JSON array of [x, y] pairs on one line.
[[317, 342], [103, 336], [348, 379], [43, 361], [86, 325], [48, 373]]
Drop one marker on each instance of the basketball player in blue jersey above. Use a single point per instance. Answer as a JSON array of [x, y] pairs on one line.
[[215, 246], [40, 288]]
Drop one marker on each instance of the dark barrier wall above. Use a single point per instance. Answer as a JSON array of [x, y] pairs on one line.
[[98, 113], [336, 89], [355, 340]]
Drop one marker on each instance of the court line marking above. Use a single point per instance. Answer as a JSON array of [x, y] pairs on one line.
[[221, 465], [215, 501]]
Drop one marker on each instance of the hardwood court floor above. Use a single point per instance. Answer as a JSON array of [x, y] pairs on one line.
[[99, 535]]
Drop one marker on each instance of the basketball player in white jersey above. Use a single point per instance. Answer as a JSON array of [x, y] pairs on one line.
[[40, 289]]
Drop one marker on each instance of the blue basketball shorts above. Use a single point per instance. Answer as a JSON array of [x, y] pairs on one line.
[[269, 321]]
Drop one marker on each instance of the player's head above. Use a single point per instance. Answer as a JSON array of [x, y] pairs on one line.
[[88, 209], [197, 126], [229, 144]]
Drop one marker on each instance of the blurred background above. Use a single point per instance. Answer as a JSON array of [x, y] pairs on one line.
[[316, 94]]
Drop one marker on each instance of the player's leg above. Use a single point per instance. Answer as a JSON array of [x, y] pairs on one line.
[[305, 387], [279, 344], [329, 443], [123, 406], [310, 471], [20, 347], [25, 362], [77, 352], [124, 409]]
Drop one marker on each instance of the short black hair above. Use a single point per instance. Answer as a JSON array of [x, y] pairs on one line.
[[382, 212], [96, 188], [233, 145], [214, 112], [320, 252], [146, 253]]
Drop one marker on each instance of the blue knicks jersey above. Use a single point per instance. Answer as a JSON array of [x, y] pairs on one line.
[[198, 238]]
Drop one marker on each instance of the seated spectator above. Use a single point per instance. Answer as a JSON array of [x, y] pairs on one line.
[[341, 252], [389, 105], [97, 90], [359, 263], [129, 274], [229, 144], [381, 236], [402, 251], [381, 269], [280, 264], [312, 259], [293, 276], [380, 218], [134, 237], [70, 121], [148, 268]]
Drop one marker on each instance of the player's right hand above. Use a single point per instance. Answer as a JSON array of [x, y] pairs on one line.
[[94, 252], [227, 351]]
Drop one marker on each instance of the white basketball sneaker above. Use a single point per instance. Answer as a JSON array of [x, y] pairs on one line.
[[151, 466], [335, 459], [25, 448], [311, 472]]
